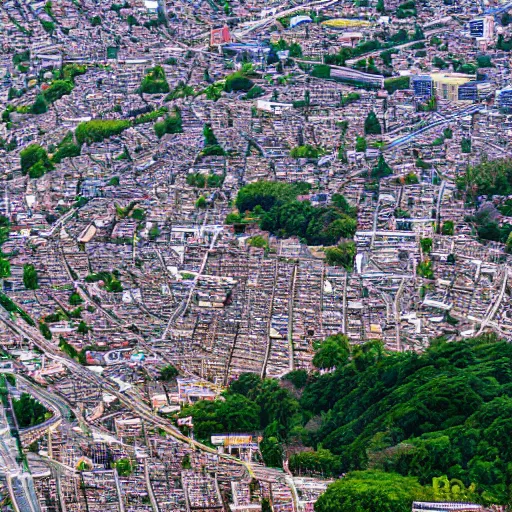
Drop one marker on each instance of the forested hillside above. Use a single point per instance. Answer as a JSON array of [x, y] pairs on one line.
[[447, 411]]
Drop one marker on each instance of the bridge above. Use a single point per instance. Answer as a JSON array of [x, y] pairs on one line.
[[404, 139]]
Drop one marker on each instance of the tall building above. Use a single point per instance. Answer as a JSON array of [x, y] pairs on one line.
[[474, 91], [423, 86], [446, 85], [482, 27], [220, 36], [504, 98]]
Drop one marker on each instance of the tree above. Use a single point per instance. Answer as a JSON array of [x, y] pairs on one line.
[[319, 462], [75, 299], [484, 61], [124, 467], [155, 82], [381, 7], [45, 331], [5, 268], [154, 231], [372, 124], [272, 451], [509, 243], [361, 144], [258, 241], [371, 491], [333, 352], [97, 130], [201, 202], [172, 123], [40, 106], [382, 169], [505, 19], [237, 82], [82, 328], [30, 277], [341, 256], [32, 155], [426, 245], [168, 373], [447, 227], [424, 269], [465, 145], [265, 505], [29, 411]]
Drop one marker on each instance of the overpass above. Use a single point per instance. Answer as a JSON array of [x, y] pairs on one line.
[[405, 139]]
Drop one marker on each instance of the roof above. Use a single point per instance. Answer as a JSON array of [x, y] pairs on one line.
[[296, 20], [451, 78]]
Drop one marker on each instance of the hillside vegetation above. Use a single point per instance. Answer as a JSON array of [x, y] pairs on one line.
[[444, 414]]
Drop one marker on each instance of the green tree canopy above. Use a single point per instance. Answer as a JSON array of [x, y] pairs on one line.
[[371, 491], [30, 277], [334, 351], [372, 124]]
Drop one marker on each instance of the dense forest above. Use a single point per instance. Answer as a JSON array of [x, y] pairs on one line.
[[446, 413], [278, 209]]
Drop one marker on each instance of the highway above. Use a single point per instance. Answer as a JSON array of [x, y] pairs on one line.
[[404, 139], [20, 483], [127, 399], [253, 25]]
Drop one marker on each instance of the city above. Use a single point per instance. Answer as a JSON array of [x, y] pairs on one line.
[[255, 256]]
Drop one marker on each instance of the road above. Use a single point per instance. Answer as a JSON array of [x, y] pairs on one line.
[[253, 25], [128, 399], [20, 483], [404, 139], [182, 307], [494, 307]]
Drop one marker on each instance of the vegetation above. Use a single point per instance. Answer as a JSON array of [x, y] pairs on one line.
[[426, 245], [397, 83], [372, 490], [333, 352], [170, 124], [201, 180], [155, 82], [298, 378], [487, 178], [29, 412], [447, 227], [382, 169], [66, 149], [45, 330], [424, 269], [30, 277], [306, 151], [11, 307], [465, 145], [34, 161], [250, 404], [413, 418], [97, 130], [168, 373], [258, 241], [124, 467], [342, 255], [110, 281], [361, 144], [321, 71], [238, 81], [278, 211]]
